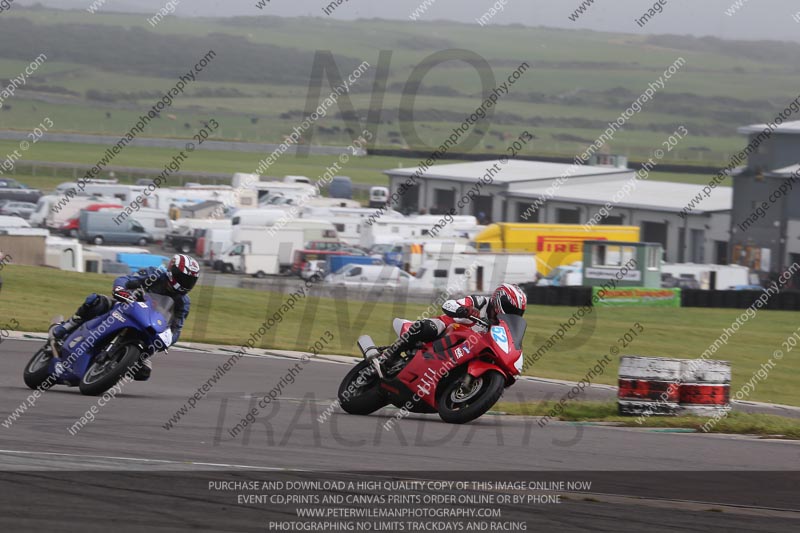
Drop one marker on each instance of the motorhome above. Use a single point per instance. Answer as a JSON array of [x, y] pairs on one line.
[[53, 210], [65, 254], [415, 253], [719, 277], [163, 198], [553, 244], [322, 201], [476, 272], [390, 230], [121, 193], [263, 216], [347, 220], [264, 190], [297, 179]]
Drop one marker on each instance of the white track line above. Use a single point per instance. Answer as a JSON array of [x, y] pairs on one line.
[[142, 460]]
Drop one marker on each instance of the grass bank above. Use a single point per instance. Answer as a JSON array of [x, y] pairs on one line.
[[32, 295]]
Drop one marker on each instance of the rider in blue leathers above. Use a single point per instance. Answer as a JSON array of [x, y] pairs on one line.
[[175, 280]]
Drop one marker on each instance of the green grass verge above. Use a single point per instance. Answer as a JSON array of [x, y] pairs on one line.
[[32, 295], [365, 170], [734, 422]]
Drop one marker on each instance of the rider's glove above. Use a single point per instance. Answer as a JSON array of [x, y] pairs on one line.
[[467, 312], [121, 294]]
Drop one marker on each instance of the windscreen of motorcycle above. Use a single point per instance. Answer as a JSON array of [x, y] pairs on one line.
[[164, 305]]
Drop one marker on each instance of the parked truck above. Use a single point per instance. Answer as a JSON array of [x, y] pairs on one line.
[[553, 244], [252, 253], [278, 242]]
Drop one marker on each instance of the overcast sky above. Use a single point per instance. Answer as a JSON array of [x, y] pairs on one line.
[[757, 19]]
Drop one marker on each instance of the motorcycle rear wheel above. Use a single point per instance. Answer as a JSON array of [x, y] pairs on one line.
[[100, 377], [360, 390], [37, 371], [459, 405]]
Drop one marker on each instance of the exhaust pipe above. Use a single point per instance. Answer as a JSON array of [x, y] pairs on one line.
[[371, 353]]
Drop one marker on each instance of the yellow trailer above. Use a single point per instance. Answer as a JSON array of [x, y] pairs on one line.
[[553, 244]]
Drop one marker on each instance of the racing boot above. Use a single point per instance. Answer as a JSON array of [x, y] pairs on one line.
[[93, 306], [59, 331], [143, 371], [393, 359]]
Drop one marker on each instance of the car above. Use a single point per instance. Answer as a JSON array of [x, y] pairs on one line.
[[11, 189], [352, 250], [314, 268], [369, 276], [17, 209]]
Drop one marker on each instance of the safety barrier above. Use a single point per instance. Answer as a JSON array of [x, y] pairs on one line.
[[667, 386], [786, 300]]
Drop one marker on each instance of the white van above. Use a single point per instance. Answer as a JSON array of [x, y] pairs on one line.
[[378, 196], [369, 276]]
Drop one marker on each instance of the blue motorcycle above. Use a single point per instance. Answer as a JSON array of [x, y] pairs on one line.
[[101, 351]]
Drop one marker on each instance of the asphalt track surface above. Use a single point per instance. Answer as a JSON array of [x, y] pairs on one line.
[[126, 469]]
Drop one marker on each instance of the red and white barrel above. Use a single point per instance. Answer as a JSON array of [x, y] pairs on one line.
[[705, 386], [648, 385]]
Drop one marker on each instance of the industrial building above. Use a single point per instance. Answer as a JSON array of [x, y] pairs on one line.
[[513, 191], [765, 220]]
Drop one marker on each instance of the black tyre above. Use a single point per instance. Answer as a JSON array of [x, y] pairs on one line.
[[260, 274], [360, 390], [227, 268], [142, 242], [37, 371], [100, 377], [99, 240], [185, 248], [459, 404]]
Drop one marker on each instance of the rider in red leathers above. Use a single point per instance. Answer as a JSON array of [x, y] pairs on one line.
[[506, 299]]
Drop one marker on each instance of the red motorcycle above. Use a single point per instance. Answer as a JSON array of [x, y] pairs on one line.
[[460, 375]]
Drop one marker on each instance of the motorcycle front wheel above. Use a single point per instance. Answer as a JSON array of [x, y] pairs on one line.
[[37, 371], [360, 390], [463, 400], [100, 377]]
